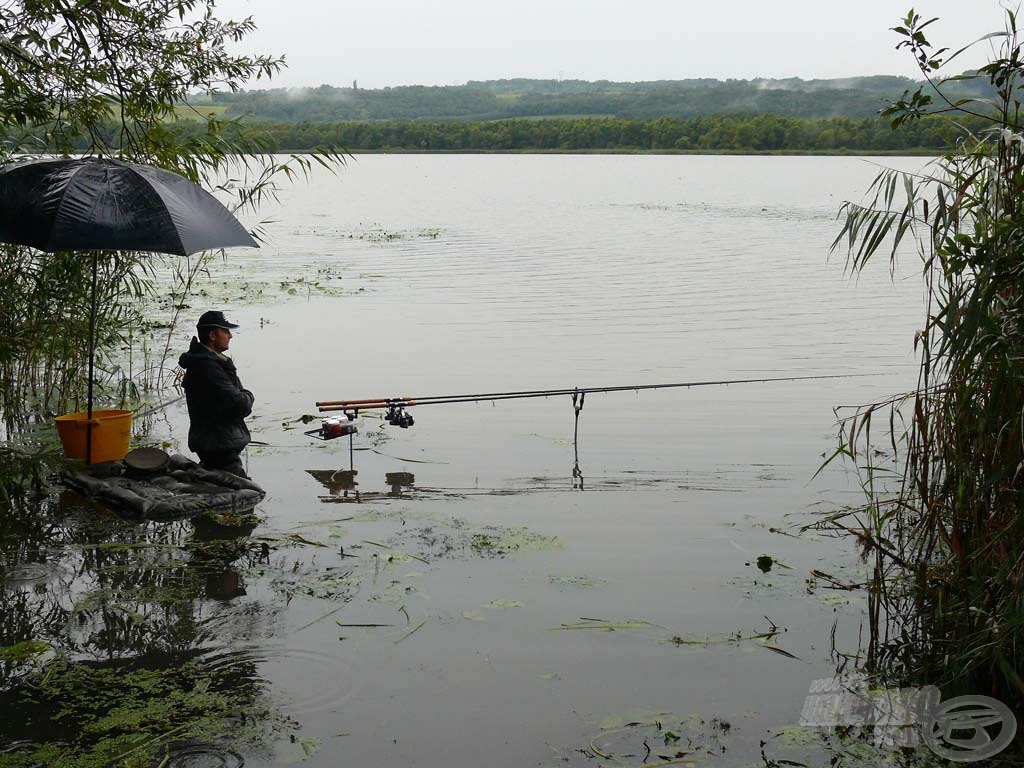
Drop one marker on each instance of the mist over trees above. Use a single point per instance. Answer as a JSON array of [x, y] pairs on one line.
[[522, 98], [523, 115]]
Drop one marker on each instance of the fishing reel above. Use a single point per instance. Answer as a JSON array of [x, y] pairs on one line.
[[397, 416]]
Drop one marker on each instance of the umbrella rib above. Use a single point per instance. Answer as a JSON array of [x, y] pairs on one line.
[[163, 212]]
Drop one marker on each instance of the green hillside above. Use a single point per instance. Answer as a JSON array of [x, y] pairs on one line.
[[523, 98]]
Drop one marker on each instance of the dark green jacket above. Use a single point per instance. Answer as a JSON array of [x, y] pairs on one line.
[[217, 402]]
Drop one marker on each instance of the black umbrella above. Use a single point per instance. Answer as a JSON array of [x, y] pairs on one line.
[[100, 204]]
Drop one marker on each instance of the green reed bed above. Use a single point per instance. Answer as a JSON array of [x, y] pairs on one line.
[[947, 544]]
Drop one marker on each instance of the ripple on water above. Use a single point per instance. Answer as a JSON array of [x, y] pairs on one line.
[[241, 622], [303, 681], [28, 574], [204, 756]]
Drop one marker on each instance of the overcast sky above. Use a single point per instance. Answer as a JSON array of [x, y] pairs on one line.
[[447, 42]]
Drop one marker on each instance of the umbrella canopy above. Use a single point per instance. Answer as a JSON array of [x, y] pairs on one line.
[[99, 204]]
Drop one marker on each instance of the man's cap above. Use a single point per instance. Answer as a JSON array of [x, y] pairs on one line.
[[214, 319]]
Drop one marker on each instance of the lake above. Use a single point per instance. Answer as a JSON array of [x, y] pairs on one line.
[[483, 591]]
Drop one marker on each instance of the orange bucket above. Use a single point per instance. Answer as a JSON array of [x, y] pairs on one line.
[[111, 434]]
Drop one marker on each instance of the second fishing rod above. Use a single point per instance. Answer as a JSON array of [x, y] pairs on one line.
[[403, 401]]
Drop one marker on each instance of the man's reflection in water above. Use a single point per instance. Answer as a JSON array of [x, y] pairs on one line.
[[218, 543]]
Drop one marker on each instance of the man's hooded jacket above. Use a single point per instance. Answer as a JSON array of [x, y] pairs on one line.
[[217, 402]]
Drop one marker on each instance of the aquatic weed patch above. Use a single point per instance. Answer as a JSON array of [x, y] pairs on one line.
[[446, 537], [578, 582], [652, 739], [322, 584], [495, 542], [377, 233], [98, 715], [498, 604], [648, 739], [856, 747]]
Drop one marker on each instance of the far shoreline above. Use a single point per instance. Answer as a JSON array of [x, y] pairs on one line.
[[917, 152]]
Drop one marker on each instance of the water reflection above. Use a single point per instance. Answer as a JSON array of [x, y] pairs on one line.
[[341, 484], [537, 306], [96, 713], [399, 481], [216, 545], [204, 756], [106, 629], [343, 487]]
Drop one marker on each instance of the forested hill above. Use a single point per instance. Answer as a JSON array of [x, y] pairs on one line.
[[522, 98]]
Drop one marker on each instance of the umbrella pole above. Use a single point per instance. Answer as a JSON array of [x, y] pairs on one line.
[[92, 354]]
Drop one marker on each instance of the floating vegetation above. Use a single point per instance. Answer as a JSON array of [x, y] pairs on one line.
[[648, 739], [376, 233], [498, 543], [633, 718], [22, 661], [329, 584], [796, 745], [752, 586], [609, 626], [450, 537], [411, 632], [289, 538], [295, 749], [98, 715], [20, 653], [499, 604], [652, 739], [502, 603], [582, 582], [223, 287], [780, 651]]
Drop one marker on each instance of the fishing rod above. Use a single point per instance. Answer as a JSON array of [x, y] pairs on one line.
[[403, 402]]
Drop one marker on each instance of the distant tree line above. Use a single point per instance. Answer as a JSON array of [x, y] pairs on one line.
[[509, 99], [724, 133]]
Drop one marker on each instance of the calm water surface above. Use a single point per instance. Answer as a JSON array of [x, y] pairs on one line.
[[449, 274]]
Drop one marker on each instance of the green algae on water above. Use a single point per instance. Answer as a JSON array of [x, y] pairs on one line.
[[126, 715], [515, 541]]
